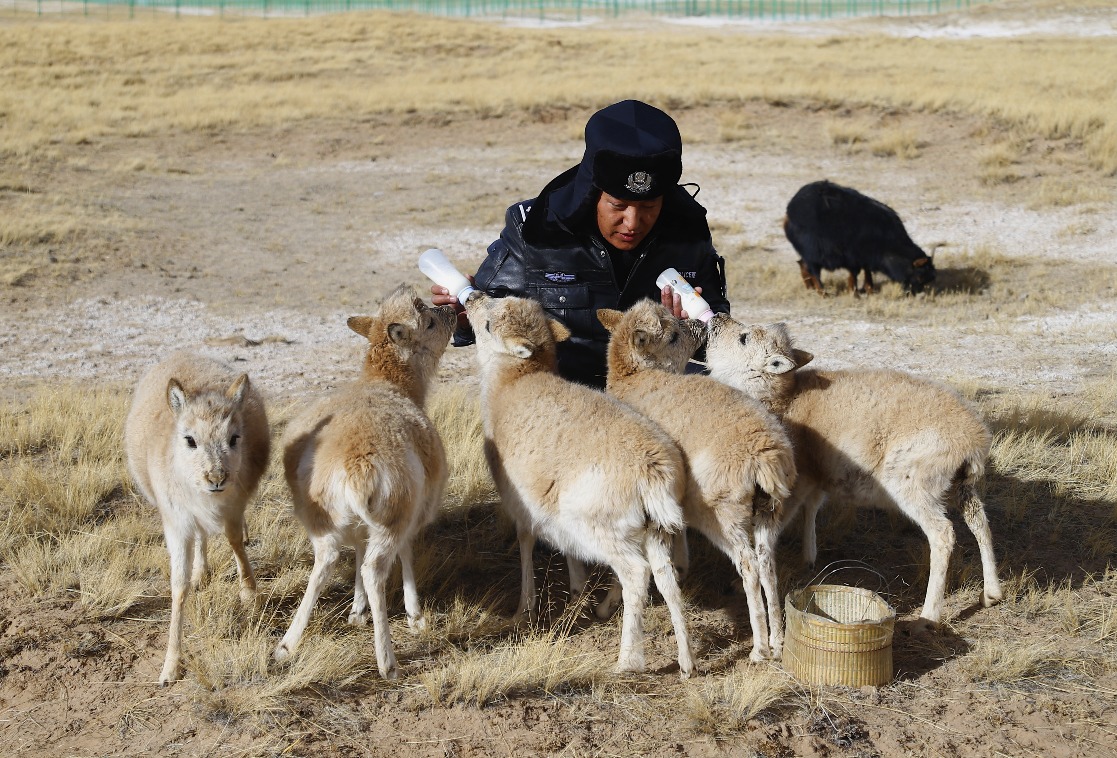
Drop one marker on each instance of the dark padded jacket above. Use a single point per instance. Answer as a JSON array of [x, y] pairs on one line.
[[544, 257]]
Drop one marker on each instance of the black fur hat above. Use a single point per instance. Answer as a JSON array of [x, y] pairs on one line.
[[634, 151]]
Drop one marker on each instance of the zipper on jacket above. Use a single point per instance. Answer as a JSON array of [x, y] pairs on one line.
[[602, 251]]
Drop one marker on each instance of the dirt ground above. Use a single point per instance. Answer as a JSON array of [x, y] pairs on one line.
[[254, 247]]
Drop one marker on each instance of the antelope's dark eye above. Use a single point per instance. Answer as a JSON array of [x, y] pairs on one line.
[[674, 338], [234, 440], [430, 322], [744, 339], [190, 443]]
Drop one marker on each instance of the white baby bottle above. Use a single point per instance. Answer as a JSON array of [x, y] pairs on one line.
[[442, 272], [693, 303]]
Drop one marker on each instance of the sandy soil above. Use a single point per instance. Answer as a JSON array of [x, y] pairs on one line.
[[255, 247]]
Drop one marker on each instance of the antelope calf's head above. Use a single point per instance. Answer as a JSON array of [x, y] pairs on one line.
[[208, 429], [648, 336]]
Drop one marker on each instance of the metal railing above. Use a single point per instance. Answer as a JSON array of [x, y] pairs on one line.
[[773, 10]]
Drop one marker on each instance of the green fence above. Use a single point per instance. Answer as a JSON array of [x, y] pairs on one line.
[[774, 10]]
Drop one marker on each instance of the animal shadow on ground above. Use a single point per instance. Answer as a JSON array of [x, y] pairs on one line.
[[473, 553], [1040, 534], [966, 280], [1041, 530]]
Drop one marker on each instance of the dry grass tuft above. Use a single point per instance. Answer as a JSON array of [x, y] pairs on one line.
[[546, 664], [72, 422], [999, 163], [1064, 445], [998, 660], [723, 705], [1061, 194], [899, 143], [63, 464], [733, 127], [848, 134]]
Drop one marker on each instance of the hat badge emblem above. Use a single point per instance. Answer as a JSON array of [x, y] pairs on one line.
[[638, 182]]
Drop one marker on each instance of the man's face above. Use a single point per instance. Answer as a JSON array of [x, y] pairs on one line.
[[625, 223]]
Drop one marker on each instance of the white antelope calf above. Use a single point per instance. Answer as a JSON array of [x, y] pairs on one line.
[[586, 473], [197, 442], [877, 438], [366, 467]]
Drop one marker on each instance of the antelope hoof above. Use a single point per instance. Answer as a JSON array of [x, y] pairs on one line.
[[921, 627], [630, 667], [170, 673]]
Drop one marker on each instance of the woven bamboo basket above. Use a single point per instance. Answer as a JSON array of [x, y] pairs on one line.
[[838, 635]]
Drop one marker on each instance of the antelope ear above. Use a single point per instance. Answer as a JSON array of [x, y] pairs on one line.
[[176, 396], [920, 262], [558, 330], [238, 389], [399, 333], [609, 318], [360, 324], [640, 338], [519, 348], [778, 364], [802, 357]]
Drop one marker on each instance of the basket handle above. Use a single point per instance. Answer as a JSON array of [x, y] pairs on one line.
[[848, 564]]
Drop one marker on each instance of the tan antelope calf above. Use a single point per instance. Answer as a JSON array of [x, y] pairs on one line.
[[197, 443], [578, 468], [740, 466], [878, 438], [366, 467]]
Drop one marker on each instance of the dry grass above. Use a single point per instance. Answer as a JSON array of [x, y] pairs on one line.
[[73, 529], [983, 283], [110, 78], [899, 143], [537, 664], [725, 705], [1061, 194], [457, 416], [1005, 661], [115, 563], [848, 134], [999, 163]]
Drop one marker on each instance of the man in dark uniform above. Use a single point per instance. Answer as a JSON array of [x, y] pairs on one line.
[[599, 235]]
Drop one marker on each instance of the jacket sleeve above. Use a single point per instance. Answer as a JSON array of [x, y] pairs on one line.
[[502, 271], [711, 278]]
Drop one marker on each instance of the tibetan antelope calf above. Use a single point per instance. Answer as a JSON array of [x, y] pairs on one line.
[[875, 438], [197, 443], [366, 467], [740, 469], [576, 467]]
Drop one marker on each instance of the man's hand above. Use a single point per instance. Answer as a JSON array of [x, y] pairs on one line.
[[673, 302], [441, 296]]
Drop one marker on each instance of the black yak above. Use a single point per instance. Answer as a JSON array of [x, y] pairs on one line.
[[833, 227]]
